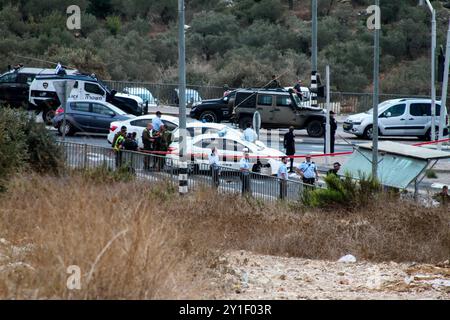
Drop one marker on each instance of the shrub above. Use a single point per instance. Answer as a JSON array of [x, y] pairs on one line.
[[113, 24], [345, 192], [25, 145], [13, 147]]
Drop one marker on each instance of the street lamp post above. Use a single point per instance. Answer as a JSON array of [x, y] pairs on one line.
[[433, 68], [182, 178], [376, 71], [314, 53], [443, 113]]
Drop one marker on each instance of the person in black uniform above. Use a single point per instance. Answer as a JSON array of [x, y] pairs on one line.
[[333, 128], [289, 145]]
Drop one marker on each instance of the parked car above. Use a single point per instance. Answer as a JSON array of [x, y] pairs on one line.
[[397, 117], [193, 128], [88, 116], [230, 149], [144, 94], [192, 97]]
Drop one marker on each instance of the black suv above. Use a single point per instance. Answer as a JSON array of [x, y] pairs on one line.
[[214, 110], [15, 85]]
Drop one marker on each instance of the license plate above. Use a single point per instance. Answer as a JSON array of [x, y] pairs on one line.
[[347, 126]]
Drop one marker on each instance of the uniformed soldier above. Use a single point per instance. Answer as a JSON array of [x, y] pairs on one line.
[[307, 170], [149, 144]]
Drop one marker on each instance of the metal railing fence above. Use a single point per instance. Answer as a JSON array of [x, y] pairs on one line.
[[158, 168]]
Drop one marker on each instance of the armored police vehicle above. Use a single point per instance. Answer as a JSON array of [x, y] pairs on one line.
[[87, 87]]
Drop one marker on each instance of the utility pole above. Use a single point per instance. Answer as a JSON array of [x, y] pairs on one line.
[[433, 68], [376, 71], [328, 126], [182, 177], [314, 53], [444, 90]]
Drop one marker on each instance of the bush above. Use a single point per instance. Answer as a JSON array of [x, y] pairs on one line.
[[25, 145], [13, 147], [345, 192]]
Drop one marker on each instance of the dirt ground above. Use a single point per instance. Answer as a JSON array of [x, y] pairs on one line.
[[250, 276]]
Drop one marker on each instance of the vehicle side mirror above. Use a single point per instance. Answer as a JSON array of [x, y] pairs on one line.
[[113, 92], [388, 115], [112, 114]]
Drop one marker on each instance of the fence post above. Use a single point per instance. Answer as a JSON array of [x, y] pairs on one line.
[[85, 156]]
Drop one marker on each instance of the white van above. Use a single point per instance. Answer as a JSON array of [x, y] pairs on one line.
[[397, 117]]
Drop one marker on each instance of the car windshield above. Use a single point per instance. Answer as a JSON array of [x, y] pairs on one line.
[[380, 106]]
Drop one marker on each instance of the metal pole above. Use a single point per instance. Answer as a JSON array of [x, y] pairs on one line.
[[376, 71], [64, 110], [314, 52], [328, 127], [182, 178], [433, 69], [444, 90]]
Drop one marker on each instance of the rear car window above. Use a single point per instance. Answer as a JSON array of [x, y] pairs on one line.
[[264, 100], [141, 123], [80, 106], [423, 109], [284, 101]]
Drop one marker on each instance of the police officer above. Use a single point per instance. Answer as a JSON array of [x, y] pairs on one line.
[[282, 174], [307, 170], [118, 145], [333, 128], [214, 164], [244, 167]]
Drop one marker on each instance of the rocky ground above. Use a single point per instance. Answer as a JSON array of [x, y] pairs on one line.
[[251, 276]]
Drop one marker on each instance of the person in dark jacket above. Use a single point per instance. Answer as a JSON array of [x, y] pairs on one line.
[[274, 83], [333, 128], [289, 145], [148, 140]]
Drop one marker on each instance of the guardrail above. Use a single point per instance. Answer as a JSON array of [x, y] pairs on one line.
[[155, 168]]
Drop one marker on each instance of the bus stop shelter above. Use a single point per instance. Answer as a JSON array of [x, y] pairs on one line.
[[399, 164]]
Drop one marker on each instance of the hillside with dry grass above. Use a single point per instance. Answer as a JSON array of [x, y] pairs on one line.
[[139, 241]]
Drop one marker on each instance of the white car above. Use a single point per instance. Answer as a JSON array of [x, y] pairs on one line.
[[230, 150], [138, 125], [144, 94], [397, 117], [194, 128]]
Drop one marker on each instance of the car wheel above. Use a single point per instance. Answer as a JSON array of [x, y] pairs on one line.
[[368, 133], [243, 122], [208, 116], [315, 129], [428, 135], [48, 115], [67, 129]]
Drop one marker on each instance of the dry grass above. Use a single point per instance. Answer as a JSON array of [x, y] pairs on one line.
[[135, 241]]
